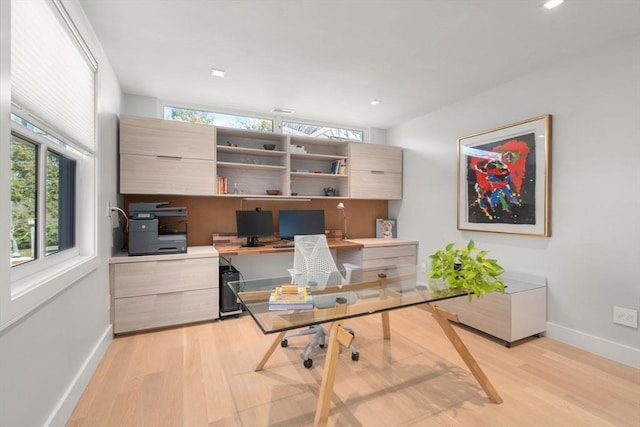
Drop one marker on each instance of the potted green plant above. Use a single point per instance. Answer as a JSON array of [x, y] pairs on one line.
[[466, 268]]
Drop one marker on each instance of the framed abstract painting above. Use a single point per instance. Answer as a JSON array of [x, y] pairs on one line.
[[504, 179]]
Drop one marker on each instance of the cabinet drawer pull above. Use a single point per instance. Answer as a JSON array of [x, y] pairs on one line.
[[169, 157], [378, 172]]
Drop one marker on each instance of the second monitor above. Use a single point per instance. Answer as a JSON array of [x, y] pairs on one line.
[[254, 224], [298, 222]]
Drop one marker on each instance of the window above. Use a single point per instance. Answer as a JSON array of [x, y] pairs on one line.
[[24, 172], [58, 209], [261, 124], [292, 128], [60, 203], [218, 119], [48, 156]]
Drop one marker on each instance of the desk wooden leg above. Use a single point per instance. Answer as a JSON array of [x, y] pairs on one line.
[[337, 336], [465, 354], [386, 327], [270, 351]]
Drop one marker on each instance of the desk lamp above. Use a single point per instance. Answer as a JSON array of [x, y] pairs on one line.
[[344, 219]]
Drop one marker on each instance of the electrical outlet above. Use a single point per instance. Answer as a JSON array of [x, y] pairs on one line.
[[423, 267], [625, 316], [109, 209]]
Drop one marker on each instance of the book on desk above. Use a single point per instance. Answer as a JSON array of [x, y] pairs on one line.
[[290, 297]]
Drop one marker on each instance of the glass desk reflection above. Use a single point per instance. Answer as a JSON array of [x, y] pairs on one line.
[[375, 293]]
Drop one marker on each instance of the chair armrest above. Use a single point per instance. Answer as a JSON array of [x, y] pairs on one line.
[[294, 274], [349, 269]]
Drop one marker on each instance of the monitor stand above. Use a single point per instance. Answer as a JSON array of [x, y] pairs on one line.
[[252, 242]]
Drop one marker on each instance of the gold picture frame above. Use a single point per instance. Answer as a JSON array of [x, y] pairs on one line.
[[504, 179]]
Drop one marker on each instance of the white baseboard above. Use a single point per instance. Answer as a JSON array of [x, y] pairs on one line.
[[611, 350], [63, 410]]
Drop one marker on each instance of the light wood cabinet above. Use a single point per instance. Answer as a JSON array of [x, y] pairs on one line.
[[375, 172], [166, 157], [519, 313], [170, 157], [162, 290], [380, 255]]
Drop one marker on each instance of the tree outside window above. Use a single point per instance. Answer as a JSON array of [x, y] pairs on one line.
[[218, 119], [24, 172]]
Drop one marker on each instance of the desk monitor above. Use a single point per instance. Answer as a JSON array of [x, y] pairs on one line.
[[299, 222], [254, 224]]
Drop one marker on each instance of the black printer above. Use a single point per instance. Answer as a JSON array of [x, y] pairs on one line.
[[147, 236]]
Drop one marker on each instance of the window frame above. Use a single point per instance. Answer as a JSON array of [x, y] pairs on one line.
[[167, 106], [33, 283], [24, 277], [329, 126], [276, 120]]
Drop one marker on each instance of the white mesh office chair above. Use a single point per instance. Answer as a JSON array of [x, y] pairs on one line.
[[313, 266]]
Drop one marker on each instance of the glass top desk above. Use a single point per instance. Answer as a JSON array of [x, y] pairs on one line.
[[396, 288]]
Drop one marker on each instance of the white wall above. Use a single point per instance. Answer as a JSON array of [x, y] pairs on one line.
[[591, 260], [142, 106], [48, 356]]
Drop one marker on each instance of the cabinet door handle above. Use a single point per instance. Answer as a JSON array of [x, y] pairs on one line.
[[378, 172], [169, 157]]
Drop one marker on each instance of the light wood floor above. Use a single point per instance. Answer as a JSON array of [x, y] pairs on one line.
[[202, 375]]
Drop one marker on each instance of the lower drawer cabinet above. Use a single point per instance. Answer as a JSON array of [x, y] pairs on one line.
[[156, 277], [380, 255], [155, 291], [158, 310], [518, 313]]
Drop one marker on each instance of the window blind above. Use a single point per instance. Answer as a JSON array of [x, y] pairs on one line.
[[52, 71]]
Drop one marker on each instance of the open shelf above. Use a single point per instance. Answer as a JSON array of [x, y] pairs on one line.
[[251, 151], [329, 157], [316, 175], [252, 166]]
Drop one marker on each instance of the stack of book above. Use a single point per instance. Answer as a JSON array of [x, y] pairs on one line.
[[338, 167], [290, 297], [222, 185]]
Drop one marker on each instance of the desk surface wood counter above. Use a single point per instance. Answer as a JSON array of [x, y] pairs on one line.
[[276, 247]]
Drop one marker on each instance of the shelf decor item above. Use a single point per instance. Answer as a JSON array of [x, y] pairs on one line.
[[386, 228], [504, 179], [341, 208], [466, 268]]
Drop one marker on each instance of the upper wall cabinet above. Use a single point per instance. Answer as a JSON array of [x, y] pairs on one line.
[[167, 157], [375, 171]]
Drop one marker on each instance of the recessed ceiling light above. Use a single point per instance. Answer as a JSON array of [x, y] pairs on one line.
[[375, 102], [217, 73], [553, 3], [282, 110]]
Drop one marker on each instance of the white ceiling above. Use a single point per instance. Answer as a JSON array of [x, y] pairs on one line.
[[327, 59]]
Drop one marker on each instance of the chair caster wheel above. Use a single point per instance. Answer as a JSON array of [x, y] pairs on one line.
[[284, 343], [355, 356], [321, 345], [308, 363]]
